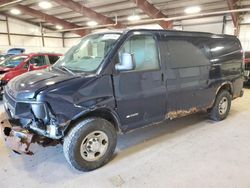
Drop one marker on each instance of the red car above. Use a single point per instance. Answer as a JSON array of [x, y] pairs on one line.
[[21, 63], [247, 66], [247, 60]]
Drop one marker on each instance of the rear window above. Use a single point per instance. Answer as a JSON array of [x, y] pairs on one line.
[[187, 53], [16, 51], [224, 46], [53, 59]]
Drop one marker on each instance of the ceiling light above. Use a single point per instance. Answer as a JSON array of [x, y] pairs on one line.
[[192, 10], [59, 27], [45, 5], [92, 23], [134, 18], [15, 11]]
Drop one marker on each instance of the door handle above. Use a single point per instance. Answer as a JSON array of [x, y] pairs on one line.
[[162, 78]]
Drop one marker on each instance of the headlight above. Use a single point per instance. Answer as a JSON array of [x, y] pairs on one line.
[[23, 109], [1, 76], [39, 110]]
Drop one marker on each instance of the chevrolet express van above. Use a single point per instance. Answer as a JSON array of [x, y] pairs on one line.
[[114, 82]]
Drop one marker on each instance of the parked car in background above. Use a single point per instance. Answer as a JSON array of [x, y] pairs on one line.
[[15, 51], [247, 66], [19, 64], [115, 82], [11, 52]]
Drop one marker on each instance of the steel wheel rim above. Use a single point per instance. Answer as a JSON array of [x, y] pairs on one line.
[[223, 105], [94, 146]]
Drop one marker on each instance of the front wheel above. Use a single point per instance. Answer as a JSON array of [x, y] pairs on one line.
[[90, 144], [221, 106]]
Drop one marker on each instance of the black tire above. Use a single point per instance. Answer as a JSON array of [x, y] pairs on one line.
[[217, 113], [78, 137]]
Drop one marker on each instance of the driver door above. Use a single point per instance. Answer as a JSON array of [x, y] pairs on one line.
[[140, 93]]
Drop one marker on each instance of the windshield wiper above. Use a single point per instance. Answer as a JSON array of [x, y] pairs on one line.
[[66, 69]]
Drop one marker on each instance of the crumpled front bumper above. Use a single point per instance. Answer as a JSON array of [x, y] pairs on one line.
[[2, 84], [16, 138]]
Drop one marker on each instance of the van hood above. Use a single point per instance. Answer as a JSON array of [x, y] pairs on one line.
[[27, 85]]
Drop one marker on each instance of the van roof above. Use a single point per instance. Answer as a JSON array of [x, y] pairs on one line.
[[171, 32], [38, 53], [44, 53]]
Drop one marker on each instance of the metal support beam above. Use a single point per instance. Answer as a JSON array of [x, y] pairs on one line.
[[153, 12], [51, 19], [63, 40], [187, 17], [231, 6], [4, 3], [32, 35], [8, 30], [42, 35], [78, 7], [24, 20], [224, 24]]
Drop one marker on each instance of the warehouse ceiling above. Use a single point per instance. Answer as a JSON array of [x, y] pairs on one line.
[[69, 14]]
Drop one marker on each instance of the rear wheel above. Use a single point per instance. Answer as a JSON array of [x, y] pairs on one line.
[[90, 144], [221, 106]]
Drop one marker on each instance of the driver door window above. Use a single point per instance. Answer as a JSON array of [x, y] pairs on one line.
[[144, 50], [38, 61]]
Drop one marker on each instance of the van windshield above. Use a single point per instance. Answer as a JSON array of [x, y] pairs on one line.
[[87, 55], [13, 61]]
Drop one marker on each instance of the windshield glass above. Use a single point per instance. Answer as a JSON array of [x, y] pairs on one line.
[[3, 57], [13, 61], [88, 54]]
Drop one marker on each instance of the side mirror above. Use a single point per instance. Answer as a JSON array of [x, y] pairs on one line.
[[127, 62]]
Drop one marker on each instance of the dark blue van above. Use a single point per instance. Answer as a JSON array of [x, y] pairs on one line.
[[114, 82]]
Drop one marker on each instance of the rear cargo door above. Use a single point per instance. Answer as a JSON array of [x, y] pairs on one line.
[[140, 93]]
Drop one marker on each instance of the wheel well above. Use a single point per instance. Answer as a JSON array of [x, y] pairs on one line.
[[225, 87], [100, 113]]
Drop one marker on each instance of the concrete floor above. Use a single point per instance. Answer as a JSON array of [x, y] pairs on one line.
[[188, 152]]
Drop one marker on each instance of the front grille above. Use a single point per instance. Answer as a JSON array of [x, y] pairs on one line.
[[3, 83]]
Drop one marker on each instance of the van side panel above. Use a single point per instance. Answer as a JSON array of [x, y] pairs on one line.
[[196, 68], [227, 63], [187, 72]]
